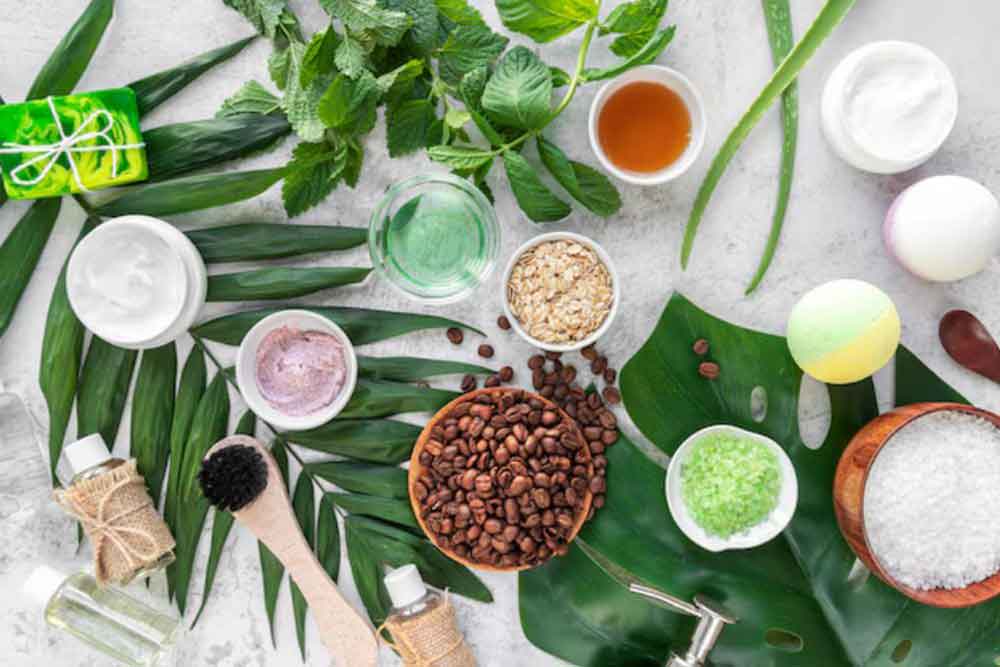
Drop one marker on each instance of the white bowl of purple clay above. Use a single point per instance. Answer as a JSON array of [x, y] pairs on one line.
[[296, 370]]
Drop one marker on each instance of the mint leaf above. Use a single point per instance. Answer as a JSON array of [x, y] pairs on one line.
[[635, 22], [250, 98], [545, 20], [318, 58], [457, 118], [533, 196], [459, 11], [560, 77], [301, 103], [647, 54], [350, 57], [407, 126], [395, 80], [265, 15], [471, 88], [520, 91], [349, 104], [585, 184], [311, 176], [353, 161], [278, 65], [386, 26], [468, 47], [425, 34], [459, 157]]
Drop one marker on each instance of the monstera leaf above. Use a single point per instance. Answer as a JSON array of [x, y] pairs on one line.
[[800, 600]]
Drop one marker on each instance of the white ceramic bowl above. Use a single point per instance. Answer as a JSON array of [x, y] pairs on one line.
[[676, 82], [246, 369], [763, 532], [615, 287]]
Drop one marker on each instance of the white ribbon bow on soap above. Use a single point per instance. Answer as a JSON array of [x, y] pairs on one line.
[[67, 146]]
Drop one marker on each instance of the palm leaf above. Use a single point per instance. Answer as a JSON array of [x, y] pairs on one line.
[[104, 385], [280, 282], [61, 72], [375, 440], [153, 414], [256, 241], [271, 569], [20, 252]]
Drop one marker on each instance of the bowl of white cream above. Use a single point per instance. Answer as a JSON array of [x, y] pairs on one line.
[[136, 282], [889, 106]]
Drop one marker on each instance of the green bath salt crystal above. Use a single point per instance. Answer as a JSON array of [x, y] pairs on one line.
[[730, 484]]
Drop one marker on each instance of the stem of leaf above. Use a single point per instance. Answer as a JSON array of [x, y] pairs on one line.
[[287, 445]]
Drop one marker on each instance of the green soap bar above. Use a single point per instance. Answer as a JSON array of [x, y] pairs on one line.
[[730, 483], [99, 135]]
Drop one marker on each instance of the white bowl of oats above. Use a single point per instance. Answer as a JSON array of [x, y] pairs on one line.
[[561, 291]]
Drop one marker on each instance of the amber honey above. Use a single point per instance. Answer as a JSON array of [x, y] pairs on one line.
[[644, 127]]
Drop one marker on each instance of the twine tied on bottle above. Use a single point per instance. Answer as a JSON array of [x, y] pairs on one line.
[[67, 145], [431, 639], [125, 530]]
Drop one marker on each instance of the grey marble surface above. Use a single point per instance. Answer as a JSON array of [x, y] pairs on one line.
[[833, 231]]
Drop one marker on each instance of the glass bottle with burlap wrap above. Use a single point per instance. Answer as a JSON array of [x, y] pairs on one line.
[[422, 623], [109, 497]]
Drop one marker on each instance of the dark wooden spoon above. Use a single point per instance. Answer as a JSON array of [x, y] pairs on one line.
[[969, 343]]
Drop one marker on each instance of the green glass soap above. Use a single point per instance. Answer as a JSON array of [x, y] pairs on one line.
[[76, 143]]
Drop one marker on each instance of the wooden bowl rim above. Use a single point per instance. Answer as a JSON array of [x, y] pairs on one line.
[[949, 598], [416, 467]]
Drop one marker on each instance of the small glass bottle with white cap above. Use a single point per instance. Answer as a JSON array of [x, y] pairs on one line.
[[89, 458], [410, 596], [107, 619]]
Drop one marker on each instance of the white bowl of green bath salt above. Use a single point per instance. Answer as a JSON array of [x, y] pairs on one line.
[[729, 488]]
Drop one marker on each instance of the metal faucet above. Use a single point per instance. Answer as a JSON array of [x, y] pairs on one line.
[[712, 618]]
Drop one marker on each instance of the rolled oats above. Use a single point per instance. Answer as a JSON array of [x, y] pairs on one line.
[[560, 291]]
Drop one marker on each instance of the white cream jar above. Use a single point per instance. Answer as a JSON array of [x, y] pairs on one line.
[[888, 106], [137, 282]]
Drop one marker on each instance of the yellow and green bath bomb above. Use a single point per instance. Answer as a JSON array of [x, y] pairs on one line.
[[843, 331]]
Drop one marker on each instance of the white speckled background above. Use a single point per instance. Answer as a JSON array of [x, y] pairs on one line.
[[832, 231]]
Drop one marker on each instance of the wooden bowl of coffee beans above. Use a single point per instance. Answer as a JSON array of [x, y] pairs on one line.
[[500, 479]]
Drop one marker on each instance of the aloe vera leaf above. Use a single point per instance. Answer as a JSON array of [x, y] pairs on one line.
[[69, 60], [59, 368], [20, 252], [155, 89], [222, 525], [778, 17], [260, 240], [829, 17]]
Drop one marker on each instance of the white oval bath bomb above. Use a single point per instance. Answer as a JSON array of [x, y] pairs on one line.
[[944, 228]]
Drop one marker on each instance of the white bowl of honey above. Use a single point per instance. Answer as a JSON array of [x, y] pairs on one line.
[[648, 125]]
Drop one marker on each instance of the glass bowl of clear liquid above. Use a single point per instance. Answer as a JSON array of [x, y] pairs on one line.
[[434, 237]]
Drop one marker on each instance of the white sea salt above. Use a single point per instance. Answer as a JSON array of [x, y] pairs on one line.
[[932, 502]]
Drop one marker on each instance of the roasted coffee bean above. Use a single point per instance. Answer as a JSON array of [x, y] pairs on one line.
[[537, 378], [598, 365], [493, 526], [607, 419], [485, 351], [553, 356], [612, 395], [492, 381], [536, 362], [708, 370], [455, 335], [568, 374], [610, 375], [519, 485], [506, 374], [589, 353], [700, 347], [503, 322]]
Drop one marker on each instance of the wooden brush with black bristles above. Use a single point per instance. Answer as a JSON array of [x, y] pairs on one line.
[[239, 475]]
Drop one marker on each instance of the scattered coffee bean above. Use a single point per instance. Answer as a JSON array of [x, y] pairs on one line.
[[506, 374], [492, 381], [700, 347], [708, 369], [553, 356], [517, 501], [503, 322], [468, 383], [598, 366], [536, 362], [610, 375], [455, 335], [589, 353], [612, 395], [485, 351]]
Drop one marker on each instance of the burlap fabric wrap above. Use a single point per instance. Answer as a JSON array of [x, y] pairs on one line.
[[431, 639], [126, 532]]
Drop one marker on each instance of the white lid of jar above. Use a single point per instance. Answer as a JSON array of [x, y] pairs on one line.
[[42, 584], [405, 586], [889, 106], [87, 452]]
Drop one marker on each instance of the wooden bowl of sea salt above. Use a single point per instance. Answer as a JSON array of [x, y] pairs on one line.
[[916, 496]]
